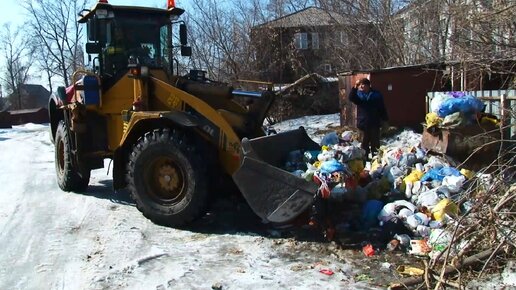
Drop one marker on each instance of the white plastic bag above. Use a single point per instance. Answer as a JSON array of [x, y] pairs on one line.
[[454, 183], [436, 101], [417, 219], [428, 198]]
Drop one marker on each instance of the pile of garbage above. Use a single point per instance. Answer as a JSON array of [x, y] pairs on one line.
[[400, 186], [424, 204], [457, 109]]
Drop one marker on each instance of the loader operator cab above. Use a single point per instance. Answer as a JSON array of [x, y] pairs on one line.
[[137, 36]]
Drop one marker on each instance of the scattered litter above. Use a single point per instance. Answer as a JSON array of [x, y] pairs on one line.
[[326, 272], [411, 271], [368, 250], [363, 277], [419, 248]]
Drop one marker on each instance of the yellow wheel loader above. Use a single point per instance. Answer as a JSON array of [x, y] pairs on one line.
[[168, 135]]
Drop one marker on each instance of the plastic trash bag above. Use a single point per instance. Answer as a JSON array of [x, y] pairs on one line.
[[407, 160], [467, 173], [428, 198], [455, 120], [414, 176], [325, 155], [444, 207], [437, 100], [330, 139], [347, 136], [440, 173], [350, 153], [392, 156], [309, 173], [432, 119], [394, 173], [454, 183], [467, 105], [370, 211], [417, 219], [420, 153], [439, 240], [392, 210], [423, 231], [436, 162], [332, 165]]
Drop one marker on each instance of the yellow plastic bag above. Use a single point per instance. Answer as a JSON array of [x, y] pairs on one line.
[[489, 121], [432, 119], [444, 207], [467, 173], [375, 165], [414, 176], [411, 271]]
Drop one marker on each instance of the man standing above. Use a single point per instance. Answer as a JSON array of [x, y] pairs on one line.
[[370, 116]]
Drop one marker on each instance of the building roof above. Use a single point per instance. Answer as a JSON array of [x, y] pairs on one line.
[[35, 90], [421, 66], [311, 16]]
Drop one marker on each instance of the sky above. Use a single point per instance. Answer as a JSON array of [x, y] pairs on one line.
[[11, 11]]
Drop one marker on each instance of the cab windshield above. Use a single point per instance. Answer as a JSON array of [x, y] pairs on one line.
[[135, 40]]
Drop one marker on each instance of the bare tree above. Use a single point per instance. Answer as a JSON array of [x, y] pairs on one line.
[[57, 36], [221, 37], [17, 54], [477, 36]]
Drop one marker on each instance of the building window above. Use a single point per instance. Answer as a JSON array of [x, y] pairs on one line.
[[327, 68], [301, 40], [315, 40]]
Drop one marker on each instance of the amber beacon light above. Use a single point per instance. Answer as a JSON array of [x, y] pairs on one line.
[[171, 4]]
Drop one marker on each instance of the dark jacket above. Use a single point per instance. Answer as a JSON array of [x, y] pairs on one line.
[[371, 108]]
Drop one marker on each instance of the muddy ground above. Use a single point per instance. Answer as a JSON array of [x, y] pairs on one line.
[[231, 214]]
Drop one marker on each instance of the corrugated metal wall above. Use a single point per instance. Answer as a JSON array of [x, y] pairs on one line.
[[404, 90]]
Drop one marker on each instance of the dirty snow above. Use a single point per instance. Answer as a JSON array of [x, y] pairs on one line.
[[312, 124], [52, 239]]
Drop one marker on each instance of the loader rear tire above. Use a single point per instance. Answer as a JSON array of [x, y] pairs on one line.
[[167, 178], [68, 177]]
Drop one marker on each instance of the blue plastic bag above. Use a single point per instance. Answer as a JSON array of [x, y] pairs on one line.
[[370, 212], [330, 139], [331, 166], [467, 105], [440, 173]]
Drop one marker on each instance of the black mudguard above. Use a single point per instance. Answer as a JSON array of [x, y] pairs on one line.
[[274, 194]]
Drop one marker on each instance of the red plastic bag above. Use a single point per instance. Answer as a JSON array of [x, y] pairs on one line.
[[368, 250], [326, 272]]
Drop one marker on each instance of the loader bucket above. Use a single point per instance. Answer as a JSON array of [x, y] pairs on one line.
[[274, 194]]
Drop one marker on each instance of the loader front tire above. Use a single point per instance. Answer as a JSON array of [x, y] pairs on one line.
[[167, 178], [68, 177]]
